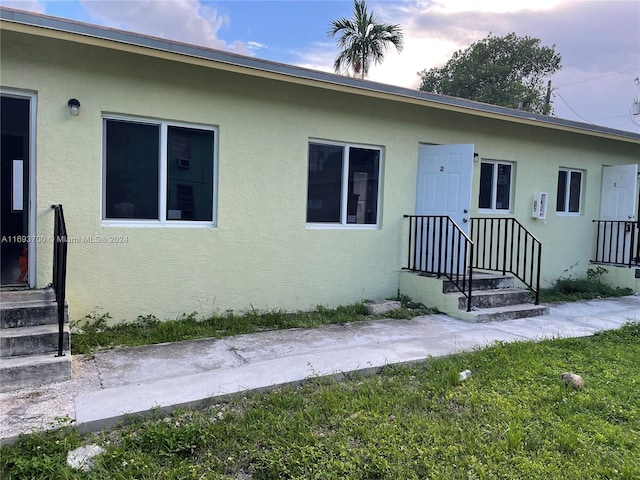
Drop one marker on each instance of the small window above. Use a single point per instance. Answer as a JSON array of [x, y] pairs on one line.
[[158, 172], [343, 184], [495, 186], [569, 191]]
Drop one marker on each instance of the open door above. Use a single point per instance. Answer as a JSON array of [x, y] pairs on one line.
[[618, 226], [15, 162], [444, 189]]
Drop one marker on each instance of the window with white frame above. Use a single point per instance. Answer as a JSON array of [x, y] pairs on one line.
[[343, 184], [158, 172], [495, 186], [569, 191]]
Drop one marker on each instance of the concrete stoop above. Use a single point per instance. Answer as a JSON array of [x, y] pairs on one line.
[[494, 297], [511, 312], [29, 340]]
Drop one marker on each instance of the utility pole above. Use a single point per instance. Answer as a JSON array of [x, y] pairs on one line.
[[547, 100]]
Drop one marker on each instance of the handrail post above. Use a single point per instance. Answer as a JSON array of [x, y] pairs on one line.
[[597, 254], [470, 276], [409, 246], [632, 248], [636, 251], [60, 270], [538, 276]]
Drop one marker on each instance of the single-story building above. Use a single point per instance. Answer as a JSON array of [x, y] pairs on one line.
[[194, 179]]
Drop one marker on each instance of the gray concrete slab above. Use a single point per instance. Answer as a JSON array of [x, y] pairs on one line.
[[606, 322], [115, 383], [123, 366], [285, 343], [539, 328], [398, 330], [481, 337], [625, 307], [106, 408]]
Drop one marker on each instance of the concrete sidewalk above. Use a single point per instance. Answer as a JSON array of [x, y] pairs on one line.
[[114, 383]]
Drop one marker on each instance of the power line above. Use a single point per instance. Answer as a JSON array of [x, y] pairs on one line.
[[598, 77], [589, 121], [571, 108]]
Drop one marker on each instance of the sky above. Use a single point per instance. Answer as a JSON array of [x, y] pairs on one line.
[[599, 40]]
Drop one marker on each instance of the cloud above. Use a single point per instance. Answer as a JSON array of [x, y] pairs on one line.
[[492, 6], [29, 5], [183, 20], [318, 56], [253, 47], [402, 68]]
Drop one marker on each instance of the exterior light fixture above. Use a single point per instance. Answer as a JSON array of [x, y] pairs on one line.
[[74, 107]]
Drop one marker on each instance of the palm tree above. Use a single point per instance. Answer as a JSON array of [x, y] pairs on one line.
[[362, 39]]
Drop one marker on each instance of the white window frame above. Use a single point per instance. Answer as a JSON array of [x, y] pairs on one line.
[[162, 175], [565, 212], [494, 187], [345, 187]]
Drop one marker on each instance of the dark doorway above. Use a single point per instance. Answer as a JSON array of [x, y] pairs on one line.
[[14, 158]]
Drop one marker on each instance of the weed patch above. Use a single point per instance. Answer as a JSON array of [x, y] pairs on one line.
[[572, 289], [94, 331]]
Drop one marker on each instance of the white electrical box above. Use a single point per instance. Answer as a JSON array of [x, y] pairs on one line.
[[539, 205]]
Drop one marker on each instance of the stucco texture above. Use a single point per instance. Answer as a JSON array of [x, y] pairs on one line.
[[261, 254]]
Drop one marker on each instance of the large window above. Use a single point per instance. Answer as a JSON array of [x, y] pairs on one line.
[[156, 171], [343, 184], [495, 186], [569, 191]]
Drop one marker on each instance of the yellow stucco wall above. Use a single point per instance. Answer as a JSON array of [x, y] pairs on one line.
[[261, 254], [621, 277]]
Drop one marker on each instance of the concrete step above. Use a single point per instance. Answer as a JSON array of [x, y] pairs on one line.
[[31, 340], [33, 370], [510, 312], [28, 314], [482, 281], [494, 298], [27, 308], [24, 295]]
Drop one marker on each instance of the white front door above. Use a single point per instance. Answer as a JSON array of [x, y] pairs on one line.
[[444, 189], [619, 192], [617, 204], [444, 182]]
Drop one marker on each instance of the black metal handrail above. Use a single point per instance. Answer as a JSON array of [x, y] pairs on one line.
[[617, 242], [60, 270], [505, 245], [438, 246]]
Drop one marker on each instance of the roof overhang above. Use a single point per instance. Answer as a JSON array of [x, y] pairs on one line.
[[87, 34]]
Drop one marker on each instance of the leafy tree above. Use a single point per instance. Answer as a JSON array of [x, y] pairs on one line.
[[506, 71], [363, 39]]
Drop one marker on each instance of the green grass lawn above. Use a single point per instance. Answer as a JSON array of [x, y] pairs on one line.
[[512, 419]]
